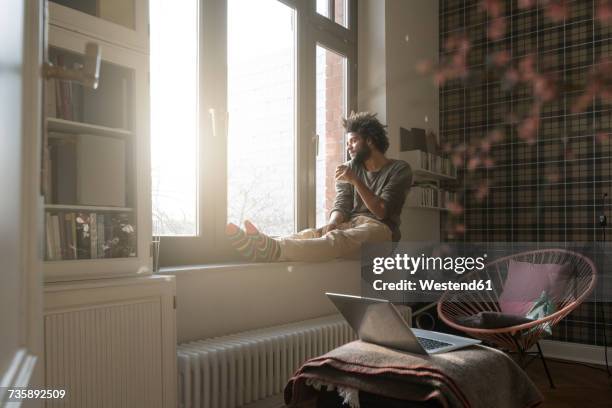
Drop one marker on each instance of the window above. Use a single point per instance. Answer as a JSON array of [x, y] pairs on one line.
[[174, 116], [323, 7], [335, 10], [239, 89], [261, 106], [331, 107]]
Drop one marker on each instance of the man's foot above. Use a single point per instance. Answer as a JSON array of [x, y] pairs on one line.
[[239, 240], [266, 249], [252, 245]]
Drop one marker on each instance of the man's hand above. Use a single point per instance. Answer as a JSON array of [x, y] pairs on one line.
[[326, 228], [345, 173]]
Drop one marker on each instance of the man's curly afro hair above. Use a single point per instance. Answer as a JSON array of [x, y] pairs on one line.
[[369, 127]]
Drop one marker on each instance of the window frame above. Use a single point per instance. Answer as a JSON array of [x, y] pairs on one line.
[[312, 29]]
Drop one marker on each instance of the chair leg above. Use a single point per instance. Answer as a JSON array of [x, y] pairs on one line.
[[550, 381]]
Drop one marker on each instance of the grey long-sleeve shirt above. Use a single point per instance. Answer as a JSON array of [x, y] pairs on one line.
[[391, 183]]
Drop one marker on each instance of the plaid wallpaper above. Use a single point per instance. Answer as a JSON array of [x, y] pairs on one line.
[[550, 190]]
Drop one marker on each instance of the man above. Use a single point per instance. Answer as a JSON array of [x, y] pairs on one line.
[[370, 193]]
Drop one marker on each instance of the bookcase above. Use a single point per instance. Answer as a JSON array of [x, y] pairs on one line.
[[95, 179], [95, 168], [431, 174]]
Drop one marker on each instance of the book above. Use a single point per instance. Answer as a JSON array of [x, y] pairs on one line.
[[93, 228], [100, 238], [55, 226], [76, 98], [49, 237], [70, 232], [108, 236], [47, 175], [50, 99], [59, 102]]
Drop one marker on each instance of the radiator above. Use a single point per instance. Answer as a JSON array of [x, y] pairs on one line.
[[105, 355], [232, 371]]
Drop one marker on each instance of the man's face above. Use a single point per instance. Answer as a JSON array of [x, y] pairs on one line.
[[357, 147]]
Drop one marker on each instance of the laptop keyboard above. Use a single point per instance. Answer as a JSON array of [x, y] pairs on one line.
[[430, 344]]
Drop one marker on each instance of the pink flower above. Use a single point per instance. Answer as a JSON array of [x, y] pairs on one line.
[[544, 88], [523, 4], [494, 8], [485, 145], [455, 208], [424, 67], [457, 160], [602, 137], [460, 228], [527, 129], [496, 136], [501, 58], [482, 191], [496, 29], [473, 163], [604, 11], [439, 78], [557, 10], [526, 67], [584, 100]]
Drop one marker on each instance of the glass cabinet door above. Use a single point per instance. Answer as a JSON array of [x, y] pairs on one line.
[[122, 22], [116, 11]]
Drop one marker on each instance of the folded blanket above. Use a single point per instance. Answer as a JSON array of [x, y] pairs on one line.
[[476, 376]]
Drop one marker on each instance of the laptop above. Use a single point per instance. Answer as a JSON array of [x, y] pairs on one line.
[[378, 321]]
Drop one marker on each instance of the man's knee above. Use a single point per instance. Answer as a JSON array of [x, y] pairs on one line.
[[310, 233]]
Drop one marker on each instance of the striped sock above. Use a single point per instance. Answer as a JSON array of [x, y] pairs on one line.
[[239, 240], [265, 249]]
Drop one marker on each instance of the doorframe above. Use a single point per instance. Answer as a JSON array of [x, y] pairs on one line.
[[26, 368]]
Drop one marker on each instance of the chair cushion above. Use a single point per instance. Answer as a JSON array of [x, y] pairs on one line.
[[492, 320], [526, 282]]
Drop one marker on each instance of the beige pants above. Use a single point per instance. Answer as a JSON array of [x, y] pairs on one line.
[[343, 242]]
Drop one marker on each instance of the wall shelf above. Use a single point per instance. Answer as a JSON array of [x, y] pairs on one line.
[[423, 207], [92, 208], [69, 126], [427, 174]]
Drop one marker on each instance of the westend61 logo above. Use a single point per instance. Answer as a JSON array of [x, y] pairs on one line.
[[411, 264]]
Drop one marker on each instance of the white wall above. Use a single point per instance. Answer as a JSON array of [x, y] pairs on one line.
[[394, 35], [218, 300], [371, 58]]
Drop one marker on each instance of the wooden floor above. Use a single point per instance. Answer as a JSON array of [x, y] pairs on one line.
[[576, 386]]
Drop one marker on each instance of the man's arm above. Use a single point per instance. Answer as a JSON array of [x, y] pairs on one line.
[[392, 197], [341, 210], [375, 204], [335, 218]]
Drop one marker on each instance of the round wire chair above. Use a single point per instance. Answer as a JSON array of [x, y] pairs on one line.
[[453, 306]]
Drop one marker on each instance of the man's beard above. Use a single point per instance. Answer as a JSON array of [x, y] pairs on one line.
[[362, 154]]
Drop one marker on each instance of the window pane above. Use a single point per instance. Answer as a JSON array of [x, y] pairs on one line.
[[261, 82], [174, 123], [331, 107], [323, 7], [340, 13]]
